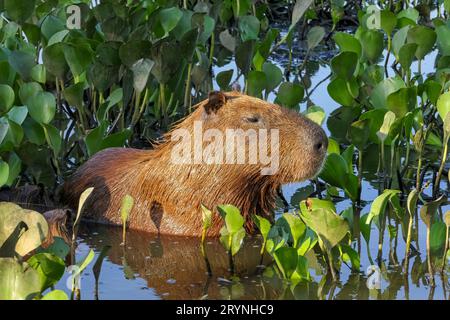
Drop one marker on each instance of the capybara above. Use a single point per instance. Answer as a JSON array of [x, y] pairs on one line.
[[168, 193]]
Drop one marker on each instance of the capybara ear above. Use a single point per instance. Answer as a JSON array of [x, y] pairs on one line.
[[216, 100]]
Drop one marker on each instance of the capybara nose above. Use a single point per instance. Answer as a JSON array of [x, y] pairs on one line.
[[321, 142]]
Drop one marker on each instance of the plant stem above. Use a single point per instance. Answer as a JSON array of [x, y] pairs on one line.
[[429, 262], [211, 49], [444, 258], [419, 165], [441, 167], [408, 244], [387, 56], [331, 265], [162, 103], [360, 164], [187, 92]]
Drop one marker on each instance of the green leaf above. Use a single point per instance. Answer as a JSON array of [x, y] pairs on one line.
[[379, 204], [437, 238], [227, 40], [206, 217], [58, 248], [78, 56], [83, 197], [286, 259], [315, 203], [39, 74], [298, 11], [42, 107], [53, 137], [333, 146], [237, 240], [334, 170], [249, 27], [18, 282], [141, 71], [232, 216], [315, 36], [379, 95], [244, 55], [402, 101], [347, 43], [126, 207], [224, 78], [7, 73], [84, 262], [389, 118], [447, 219], [290, 94], [338, 90], [443, 39], [55, 295], [22, 63], [388, 21], [4, 172], [274, 76], [54, 60], [169, 18], [329, 226], [15, 166], [263, 226], [443, 105], [6, 98], [297, 227], [256, 81], [344, 64], [365, 227], [359, 133], [21, 10], [58, 37], [428, 210], [350, 255], [406, 55], [424, 37], [29, 90], [74, 94], [411, 202], [37, 229], [316, 114], [49, 267], [51, 25], [399, 39], [373, 44]]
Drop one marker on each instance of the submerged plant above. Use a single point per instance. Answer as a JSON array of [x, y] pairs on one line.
[[24, 275]]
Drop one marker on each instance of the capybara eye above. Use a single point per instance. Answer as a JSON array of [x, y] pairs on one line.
[[252, 119]]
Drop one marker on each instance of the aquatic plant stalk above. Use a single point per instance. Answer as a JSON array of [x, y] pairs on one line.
[[331, 265], [444, 257], [408, 244], [429, 262], [187, 92], [441, 167]]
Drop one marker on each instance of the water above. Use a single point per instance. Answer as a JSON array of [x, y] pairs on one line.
[[152, 267]]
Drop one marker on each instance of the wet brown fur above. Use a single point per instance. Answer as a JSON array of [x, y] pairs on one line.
[[168, 196]]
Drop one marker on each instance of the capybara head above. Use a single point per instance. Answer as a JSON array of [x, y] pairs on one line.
[[295, 145]]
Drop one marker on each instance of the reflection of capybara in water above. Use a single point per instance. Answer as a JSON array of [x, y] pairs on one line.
[[168, 193], [174, 265]]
